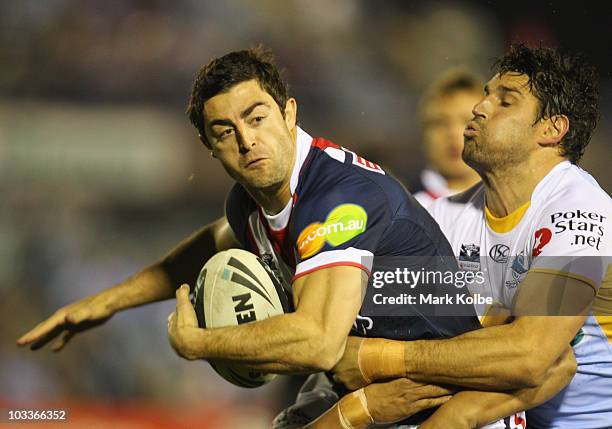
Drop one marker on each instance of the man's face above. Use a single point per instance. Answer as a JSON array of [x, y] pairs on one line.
[[248, 134], [502, 132], [444, 119]]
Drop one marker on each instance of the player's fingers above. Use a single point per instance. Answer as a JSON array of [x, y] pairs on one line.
[[62, 341], [405, 383], [424, 404], [186, 314], [432, 391], [188, 317], [182, 298], [171, 318], [47, 337], [42, 329]]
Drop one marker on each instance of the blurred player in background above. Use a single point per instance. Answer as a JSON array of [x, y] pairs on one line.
[[444, 110], [540, 227], [320, 212]]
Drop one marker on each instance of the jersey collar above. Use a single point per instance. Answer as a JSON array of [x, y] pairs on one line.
[[304, 141], [280, 220]]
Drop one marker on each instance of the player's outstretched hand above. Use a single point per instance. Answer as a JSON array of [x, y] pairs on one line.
[[395, 400], [183, 325], [347, 369], [66, 322]]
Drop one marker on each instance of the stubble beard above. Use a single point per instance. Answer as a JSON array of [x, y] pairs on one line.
[[483, 160]]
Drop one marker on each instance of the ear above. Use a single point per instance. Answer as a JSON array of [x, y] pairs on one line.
[[553, 130], [291, 113]]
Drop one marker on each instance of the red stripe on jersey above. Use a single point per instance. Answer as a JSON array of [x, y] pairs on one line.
[[333, 264], [323, 144]]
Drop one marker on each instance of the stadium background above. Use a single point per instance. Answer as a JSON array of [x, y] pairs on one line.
[[101, 173]]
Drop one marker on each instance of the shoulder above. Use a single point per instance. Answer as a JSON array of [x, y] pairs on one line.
[[571, 225], [334, 174], [572, 193], [571, 215]]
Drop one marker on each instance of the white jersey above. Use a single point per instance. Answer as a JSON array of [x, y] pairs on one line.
[[565, 230]]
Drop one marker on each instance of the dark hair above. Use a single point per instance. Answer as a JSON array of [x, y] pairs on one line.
[[222, 73], [565, 84]]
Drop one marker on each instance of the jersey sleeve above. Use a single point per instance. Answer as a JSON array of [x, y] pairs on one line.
[[572, 238], [342, 225]]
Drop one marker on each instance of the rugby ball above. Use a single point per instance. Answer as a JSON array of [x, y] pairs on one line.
[[236, 287]]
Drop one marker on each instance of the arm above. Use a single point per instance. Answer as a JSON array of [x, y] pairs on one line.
[[504, 353], [154, 283], [472, 409], [308, 340], [383, 403]]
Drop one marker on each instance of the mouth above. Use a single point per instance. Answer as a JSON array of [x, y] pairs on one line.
[[255, 162], [471, 130]]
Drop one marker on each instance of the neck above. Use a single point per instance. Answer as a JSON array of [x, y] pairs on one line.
[[273, 199], [510, 187]]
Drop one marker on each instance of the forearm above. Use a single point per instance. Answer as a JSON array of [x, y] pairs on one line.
[[504, 356], [150, 285], [160, 280], [289, 343], [499, 360], [482, 408]]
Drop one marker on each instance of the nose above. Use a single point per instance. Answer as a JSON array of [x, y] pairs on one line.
[[245, 140], [479, 109]]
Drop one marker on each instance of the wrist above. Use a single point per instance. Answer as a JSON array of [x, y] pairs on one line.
[[353, 410], [194, 344], [409, 362], [380, 359], [106, 300]]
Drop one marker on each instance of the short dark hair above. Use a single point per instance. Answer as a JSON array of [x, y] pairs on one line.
[[222, 73], [565, 84]]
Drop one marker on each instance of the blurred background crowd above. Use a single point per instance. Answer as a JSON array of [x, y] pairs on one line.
[[101, 172]]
